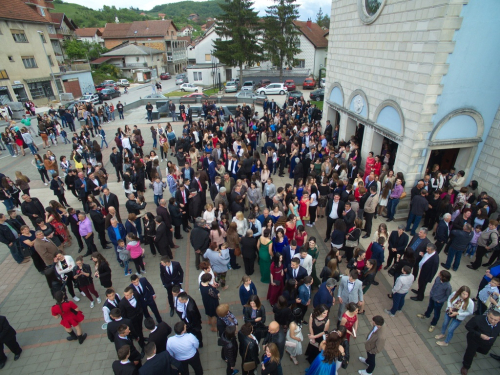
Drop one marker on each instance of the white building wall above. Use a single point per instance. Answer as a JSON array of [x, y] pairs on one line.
[[203, 48], [308, 53]]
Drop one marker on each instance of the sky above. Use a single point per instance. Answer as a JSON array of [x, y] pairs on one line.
[[306, 10]]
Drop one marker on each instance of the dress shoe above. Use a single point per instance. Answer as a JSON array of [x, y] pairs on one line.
[[485, 265], [444, 266], [107, 247], [416, 299], [390, 296], [464, 371], [186, 230], [87, 254], [80, 250], [2, 365], [494, 356], [469, 266], [171, 312], [366, 236], [414, 291], [326, 239], [189, 227], [179, 238], [389, 220], [18, 355], [375, 283]]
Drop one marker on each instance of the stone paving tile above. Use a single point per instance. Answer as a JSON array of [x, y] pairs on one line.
[[24, 299]]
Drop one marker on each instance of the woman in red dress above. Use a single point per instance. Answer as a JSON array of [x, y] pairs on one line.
[[350, 320], [304, 205], [277, 278], [377, 166], [369, 166], [290, 227], [300, 236], [70, 317]]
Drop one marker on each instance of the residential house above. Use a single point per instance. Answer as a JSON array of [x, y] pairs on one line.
[[186, 31], [139, 63], [90, 34], [29, 69], [64, 30], [193, 17], [313, 45], [159, 34]]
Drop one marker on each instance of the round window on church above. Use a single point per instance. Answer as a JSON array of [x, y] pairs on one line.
[[369, 10]]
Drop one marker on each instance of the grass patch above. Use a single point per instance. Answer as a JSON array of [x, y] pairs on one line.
[[211, 92], [176, 93], [318, 104]]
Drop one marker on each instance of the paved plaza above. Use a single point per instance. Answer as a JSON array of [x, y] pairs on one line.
[[25, 300]]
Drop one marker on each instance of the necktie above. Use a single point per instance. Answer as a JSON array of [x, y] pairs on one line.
[[199, 184], [183, 196], [169, 270], [140, 289], [294, 273]]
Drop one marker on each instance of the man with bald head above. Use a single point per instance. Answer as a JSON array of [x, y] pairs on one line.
[[83, 187], [45, 248], [112, 214], [276, 335], [111, 200], [134, 206], [32, 208], [116, 231]]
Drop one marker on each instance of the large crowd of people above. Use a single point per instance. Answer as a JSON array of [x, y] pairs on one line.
[[222, 192]]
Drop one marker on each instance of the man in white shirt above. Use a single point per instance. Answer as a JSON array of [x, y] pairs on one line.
[[184, 348], [305, 260], [334, 209]]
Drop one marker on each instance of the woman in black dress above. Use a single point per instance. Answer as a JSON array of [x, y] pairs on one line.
[[27, 239], [210, 297], [290, 292], [255, 313], [319, 324], [102, 270]]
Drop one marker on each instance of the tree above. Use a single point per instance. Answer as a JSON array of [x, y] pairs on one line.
[[281, 34], [322, 19], [78, 50], [239, 31]]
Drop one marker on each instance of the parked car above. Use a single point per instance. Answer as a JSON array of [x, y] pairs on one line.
[[91, 98], [190, 87], [290, 85], [196, 95], [250, 95], [309, 83], [317, 95], [322, 83], [273, 88], [231, 86], [165, 76], [248, 86], [108, 94], [292, 95], [107, 86], [123, 83], [108, 82], [263, 83], [181, 78]]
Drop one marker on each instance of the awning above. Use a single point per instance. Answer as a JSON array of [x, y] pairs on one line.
[[101, 60], [42, 79]]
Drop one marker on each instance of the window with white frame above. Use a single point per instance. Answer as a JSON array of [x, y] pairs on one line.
[[301, 63], [19, 36], [29, 62], [198, 76]]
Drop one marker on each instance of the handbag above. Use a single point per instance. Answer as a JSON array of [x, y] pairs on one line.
[[248, 366], [237, 251], [403, 195], [392, 270], [277, 282]]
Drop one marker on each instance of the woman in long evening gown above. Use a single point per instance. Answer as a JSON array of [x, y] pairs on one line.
[[265, 253], [318, 324], [277, 279]]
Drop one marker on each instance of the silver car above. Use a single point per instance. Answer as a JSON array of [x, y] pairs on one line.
[[181, 78], [248, 86], [231, 86], [250, 95]]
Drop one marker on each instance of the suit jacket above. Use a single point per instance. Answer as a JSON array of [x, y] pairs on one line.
[[74, 224], [165, 215], [161, 239], [349, 219], [98, 220], [124, 369], [160, 364], [398, 242], [107, 220], [421, 247], [352, 174], [130, 312], [371, 204], [193, 316], [191, 173], [429, 268], [112, 328], [340, 208], [34, 207], [112, 201], [147, 291], [304, 294], [159, 336], [46, 250], [301, 273], [443, 231], [177, 276], [376, 342], [80, 188], [175, 214], [112, 234], [356, 294], [134, 354], [179, 199], [287, 257], [214, 191]]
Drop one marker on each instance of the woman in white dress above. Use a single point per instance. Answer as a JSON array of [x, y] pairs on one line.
[[294, 340]]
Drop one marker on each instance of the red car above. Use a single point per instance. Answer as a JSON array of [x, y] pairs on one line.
[[165, 76], [309, 83], [101, 87], [290, 85]]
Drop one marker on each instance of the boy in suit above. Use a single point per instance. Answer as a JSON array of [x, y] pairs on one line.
[[305, 260], [305, 296], [191, 316], [288, 254], [122, 339], [145, 294], [296, 271], [8, 337], [171, 273], [350, 290], [374, 344], [159, 334], [123, 366], [131, 309]]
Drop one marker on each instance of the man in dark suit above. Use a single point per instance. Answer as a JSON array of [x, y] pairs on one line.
[[73, 221], [200, 186], [200, 240], [83, 187], [8, 337], [162, 211], [145, 294], [334, 210], [443, 232], [171, 273], [191, 316], [187, 172], [210, 168], [32, 208], [182, 199], [428, 263], [353, 172], [122, 339], [288, 254], [296, 271], [419, 244], [116, 321], [131, 309], [123, 366], [134, 206], [99, 225], [157, 363], [116, 159], [159, 334], [111, 200], [161, 237], [214, 188], [398, 240], [349, 216]]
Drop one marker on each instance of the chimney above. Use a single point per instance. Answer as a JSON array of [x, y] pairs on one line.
[[309, 23]]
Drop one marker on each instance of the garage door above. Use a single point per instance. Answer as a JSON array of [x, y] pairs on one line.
[[73, 86]]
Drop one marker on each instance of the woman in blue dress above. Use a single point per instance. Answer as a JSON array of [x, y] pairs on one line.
[[331, 352], [280, 241]]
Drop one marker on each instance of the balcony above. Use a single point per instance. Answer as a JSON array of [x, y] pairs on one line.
[[74, 67], [136, 65]]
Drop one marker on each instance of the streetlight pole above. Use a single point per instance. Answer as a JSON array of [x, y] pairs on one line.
[[50, 66]]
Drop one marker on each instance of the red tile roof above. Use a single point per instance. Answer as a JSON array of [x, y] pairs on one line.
[[18, 10], [314, 33], [87, 32], [143, 28]]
